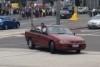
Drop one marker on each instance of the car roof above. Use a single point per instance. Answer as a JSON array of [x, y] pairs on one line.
[[3, 17]]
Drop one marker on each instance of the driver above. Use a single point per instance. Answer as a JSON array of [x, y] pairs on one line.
[[43, 28]]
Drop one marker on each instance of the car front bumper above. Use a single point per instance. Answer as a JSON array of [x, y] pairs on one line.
[[70, 46], [65, 16], [93, 26]]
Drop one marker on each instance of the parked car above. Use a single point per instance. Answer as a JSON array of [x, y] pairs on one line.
[[82, 10], [65, 14], [7, 23], [94, 22], [56, 38]]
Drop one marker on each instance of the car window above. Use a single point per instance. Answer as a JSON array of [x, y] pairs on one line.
[[68, 31], [64, 11], [1, 20], [36, 30]]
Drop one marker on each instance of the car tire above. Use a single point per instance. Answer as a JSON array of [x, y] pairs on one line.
[[52, 47], [17, 26], [6, 27], [89, 28], [78, 51], [31, 45]]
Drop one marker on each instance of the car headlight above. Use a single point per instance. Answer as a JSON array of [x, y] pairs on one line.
[[63, 41], [83, 42]]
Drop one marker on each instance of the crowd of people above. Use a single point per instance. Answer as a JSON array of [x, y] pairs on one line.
[[27, 12], [9, 11], [37, 12]]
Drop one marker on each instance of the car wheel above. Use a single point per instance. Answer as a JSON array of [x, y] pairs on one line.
[[6, 27], [89, 28], [31, 45], [17, 26], [52, 47], [78, 51]]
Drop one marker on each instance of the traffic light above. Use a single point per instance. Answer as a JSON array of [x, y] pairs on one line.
[[23, 2], [51, 2], [77, 2]]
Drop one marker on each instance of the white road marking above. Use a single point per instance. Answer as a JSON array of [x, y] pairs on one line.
[[10, 33], [89, 30], [87, 35]]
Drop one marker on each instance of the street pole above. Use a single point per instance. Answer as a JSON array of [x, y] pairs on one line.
[[58, 13], [32, 25]]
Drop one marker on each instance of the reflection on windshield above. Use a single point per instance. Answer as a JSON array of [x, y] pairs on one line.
[[59, 30]]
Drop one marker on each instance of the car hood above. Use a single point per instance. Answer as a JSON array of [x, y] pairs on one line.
[[95, 20], [65, 37]]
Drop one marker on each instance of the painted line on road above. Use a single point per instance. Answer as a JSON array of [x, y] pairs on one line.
[[87, 35], [89, 30]]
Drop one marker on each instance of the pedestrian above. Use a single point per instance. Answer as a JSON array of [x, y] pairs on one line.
[[40, 11], [43, 12]]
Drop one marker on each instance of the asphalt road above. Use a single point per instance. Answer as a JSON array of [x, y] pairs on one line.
[[91, 36], [15, 53]]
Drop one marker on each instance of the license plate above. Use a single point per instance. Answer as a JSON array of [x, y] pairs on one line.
[[75, 45]]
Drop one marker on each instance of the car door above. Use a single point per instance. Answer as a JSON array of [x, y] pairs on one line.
[[12, 22], [36, 37], [43, 40], [8, 22]]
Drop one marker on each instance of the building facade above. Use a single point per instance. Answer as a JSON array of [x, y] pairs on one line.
[[93, 3]]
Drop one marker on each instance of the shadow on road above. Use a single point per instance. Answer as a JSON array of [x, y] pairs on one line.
[[60, 52]]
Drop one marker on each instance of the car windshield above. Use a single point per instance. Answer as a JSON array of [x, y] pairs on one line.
[[96, 17], [64, 11], [58, 30]]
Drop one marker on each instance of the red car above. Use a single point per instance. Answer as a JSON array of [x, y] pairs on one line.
[[56, 38]]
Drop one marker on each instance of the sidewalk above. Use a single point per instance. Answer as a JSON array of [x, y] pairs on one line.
[[35, 58]]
